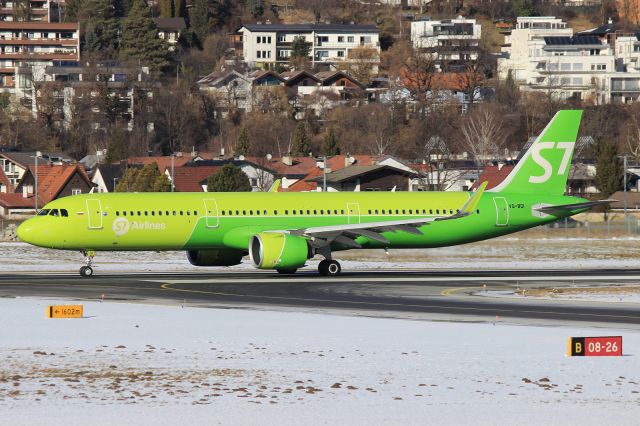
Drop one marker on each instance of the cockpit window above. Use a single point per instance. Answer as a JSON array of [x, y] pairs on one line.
[[64, 213], [43, 212], [54, 212]]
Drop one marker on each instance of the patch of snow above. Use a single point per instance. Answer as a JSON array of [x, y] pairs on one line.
[[131, 364]]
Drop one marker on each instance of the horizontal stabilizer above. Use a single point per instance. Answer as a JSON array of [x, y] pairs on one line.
[[576, 206]]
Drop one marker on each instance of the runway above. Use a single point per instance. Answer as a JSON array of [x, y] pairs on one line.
[[436, 294]]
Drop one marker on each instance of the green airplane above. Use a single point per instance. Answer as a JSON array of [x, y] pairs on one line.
[[281, 231]]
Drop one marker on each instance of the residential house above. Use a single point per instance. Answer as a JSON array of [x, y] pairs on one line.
[[5, 185], [450, 43], [519, 42], [193, 176], [268, 45], [15, 164], [232, 88], [169, 30], [106, 176], [26, 47], [54, 181], [377, 177], [64, 87]]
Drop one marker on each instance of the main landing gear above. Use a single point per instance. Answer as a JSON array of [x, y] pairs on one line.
[[87, 270], [329, 268]]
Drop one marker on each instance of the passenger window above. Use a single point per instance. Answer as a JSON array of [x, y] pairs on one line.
[[404, 211], [286, 212], [335, 212], [369, 211], [222, 212], [174, 212], [159, 212], [308, 211], [430, 211], [195, 213], [321, 211], [275, 212], [315, 212], [181, 213], [258, 212], [139, 214], [188, 213], [250, 212], [341, 211], [166, 212], [117, 213], [396, 211], [64, 213], [265, 212], [153, 212], [146, 213], [244, 212], [130, 213], [478, 211], [437, 211], [376, 211]]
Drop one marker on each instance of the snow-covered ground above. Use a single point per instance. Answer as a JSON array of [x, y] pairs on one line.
[[142, 364], [501, 253]]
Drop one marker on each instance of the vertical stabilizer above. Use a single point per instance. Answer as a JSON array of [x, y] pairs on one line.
[[544, 168]]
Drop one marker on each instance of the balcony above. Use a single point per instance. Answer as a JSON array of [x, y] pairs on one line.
[[39, 55], [39, 41]]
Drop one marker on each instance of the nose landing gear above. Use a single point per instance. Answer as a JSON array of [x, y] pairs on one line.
[[87, 270]]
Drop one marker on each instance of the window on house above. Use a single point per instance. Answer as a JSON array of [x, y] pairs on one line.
[[259, 54], [340, 53], [340, 39], [76, 191], [350, 39], [281, 37]]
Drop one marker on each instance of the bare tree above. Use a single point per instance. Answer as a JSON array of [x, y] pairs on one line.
[[483, 134]]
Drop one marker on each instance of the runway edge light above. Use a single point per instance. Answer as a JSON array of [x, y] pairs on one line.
[[595, 346], [64, 311]]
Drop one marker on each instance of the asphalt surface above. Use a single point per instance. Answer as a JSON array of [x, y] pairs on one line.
[[468, 295]]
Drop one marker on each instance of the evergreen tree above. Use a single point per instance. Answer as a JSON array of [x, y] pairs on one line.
[[140, 39], [166, 8], [330, 147], [256, 7], [72, 10], [179, 8], [127, 181], [229, 179], [300, 48], [609, 171], [162, 184], [242, 144], [146, 178], [300, 141], [117, 146], [101, 32]]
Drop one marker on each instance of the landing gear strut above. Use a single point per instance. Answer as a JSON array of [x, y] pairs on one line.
[[87, 270], [329, 268]]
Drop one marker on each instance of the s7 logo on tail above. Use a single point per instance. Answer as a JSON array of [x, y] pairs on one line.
[[537, 157]]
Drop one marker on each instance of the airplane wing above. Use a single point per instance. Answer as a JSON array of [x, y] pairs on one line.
[[568, 207], [320, 236]]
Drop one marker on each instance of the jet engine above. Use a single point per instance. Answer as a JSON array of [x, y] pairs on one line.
[[279, 250], [217, 257]]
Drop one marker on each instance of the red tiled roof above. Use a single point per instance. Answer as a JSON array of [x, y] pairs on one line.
[[16, 201], [52, 179], [163, 162], [187, 179], [494, 175]]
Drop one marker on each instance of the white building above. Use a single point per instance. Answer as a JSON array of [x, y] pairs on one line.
[[266, 45], [518, 44], [450, 41]]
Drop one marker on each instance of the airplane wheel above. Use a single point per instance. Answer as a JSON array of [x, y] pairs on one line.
[[286, 271], [86, 271], [329, 268]]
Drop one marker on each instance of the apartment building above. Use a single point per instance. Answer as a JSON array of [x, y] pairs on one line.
[[519, 43], [451, 42], [34, 45], [267, 45]]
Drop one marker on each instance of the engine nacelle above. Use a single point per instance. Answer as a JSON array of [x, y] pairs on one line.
[[218, 257], [278, 250]]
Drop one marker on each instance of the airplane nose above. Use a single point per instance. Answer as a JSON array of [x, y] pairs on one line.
[[23, 231]]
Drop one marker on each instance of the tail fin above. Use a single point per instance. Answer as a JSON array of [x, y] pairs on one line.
[[544, 168]]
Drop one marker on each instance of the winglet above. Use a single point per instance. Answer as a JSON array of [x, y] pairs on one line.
[[471, 204], [275, 186]]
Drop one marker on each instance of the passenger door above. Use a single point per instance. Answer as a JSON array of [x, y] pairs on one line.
[[502, 211], [211, 212], [94, 214], [353, 213]]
